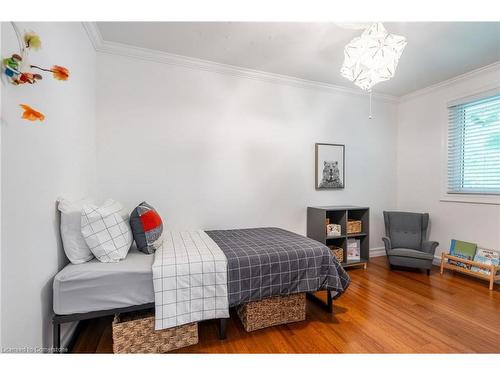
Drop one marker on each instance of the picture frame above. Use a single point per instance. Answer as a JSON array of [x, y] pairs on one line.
[[329, 166]]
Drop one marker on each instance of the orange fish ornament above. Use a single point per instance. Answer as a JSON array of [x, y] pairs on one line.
[[60, 73], [30, 114]]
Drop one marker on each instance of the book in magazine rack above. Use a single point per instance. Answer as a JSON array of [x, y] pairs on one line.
[[492, 277]]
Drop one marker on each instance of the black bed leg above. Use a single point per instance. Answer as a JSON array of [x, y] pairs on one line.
[[56, 337], [328, 306], [222, 328], [329, 302]]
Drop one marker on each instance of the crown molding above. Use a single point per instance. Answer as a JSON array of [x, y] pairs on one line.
[[113, 48], [93, 33], [473, 73], [146, 54]]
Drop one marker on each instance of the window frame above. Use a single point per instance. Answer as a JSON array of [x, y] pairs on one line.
[[465, 197]]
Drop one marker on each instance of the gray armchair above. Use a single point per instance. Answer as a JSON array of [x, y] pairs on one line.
[[405, 241]]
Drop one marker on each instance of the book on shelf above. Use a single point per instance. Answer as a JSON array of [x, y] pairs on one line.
[[464, 250], [488, 257], [353, 249]]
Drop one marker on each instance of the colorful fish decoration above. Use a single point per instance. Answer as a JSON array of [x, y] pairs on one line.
[[59, 72], [32, 40], [30, 114], [12, 65], [13, 69]]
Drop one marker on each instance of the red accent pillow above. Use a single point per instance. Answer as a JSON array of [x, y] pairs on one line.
[[150, 220], [146, 227]]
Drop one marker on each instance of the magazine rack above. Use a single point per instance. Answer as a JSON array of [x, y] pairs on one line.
[[492, 277]]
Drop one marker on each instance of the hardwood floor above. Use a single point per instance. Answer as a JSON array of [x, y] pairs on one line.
[[383, 311]]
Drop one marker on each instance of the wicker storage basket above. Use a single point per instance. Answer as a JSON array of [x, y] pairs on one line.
[[135, 333], [338, 253], [273, 311], [354, 226]]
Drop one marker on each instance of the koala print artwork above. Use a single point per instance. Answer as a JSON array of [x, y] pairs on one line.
[[330, 166], [331, 175]]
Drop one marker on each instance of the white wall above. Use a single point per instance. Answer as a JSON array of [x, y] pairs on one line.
[[210, 150], [41, 161], [421, 155]]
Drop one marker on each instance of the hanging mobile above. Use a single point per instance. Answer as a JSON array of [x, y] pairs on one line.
[[17, 68]]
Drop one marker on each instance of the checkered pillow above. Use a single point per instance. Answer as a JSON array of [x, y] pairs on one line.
[[105, 231], [146, 227]]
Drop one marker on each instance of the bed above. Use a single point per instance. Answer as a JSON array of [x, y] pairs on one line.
[[96, 286], [261, 262], [267, 262]]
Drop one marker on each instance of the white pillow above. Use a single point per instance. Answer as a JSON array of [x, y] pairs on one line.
[[106, 232], [74, 244]]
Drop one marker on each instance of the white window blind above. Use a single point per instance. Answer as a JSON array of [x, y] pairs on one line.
[[474, 146]]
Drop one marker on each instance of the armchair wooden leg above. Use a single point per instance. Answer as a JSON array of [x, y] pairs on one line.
[[428, 272]]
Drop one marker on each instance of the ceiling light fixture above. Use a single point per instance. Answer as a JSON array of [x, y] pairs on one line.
[[372, 57]]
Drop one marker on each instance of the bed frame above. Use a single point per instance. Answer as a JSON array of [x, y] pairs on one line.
[[57, 320]]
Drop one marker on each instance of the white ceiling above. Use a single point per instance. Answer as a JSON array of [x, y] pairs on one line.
[[314, 51]]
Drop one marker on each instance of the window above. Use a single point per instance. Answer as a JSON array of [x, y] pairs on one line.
[[474, 146]]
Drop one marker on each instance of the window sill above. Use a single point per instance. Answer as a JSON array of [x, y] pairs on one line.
[[471, 198]]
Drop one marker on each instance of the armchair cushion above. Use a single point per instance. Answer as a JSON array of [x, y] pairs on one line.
[[410, 253]]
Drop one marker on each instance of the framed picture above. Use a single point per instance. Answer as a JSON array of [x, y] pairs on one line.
[[330, 166]]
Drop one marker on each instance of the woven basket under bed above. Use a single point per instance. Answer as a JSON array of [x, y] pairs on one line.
[[273, 311], [135, 333]]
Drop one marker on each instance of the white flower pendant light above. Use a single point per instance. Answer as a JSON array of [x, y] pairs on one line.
[[372, 57]]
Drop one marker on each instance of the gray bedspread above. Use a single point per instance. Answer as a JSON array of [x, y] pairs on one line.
[[266, 262]]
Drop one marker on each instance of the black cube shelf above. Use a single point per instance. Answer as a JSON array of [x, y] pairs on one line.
[[316, 229]]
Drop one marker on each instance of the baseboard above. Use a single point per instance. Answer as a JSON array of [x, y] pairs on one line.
[[377, 252], [437, 260]]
